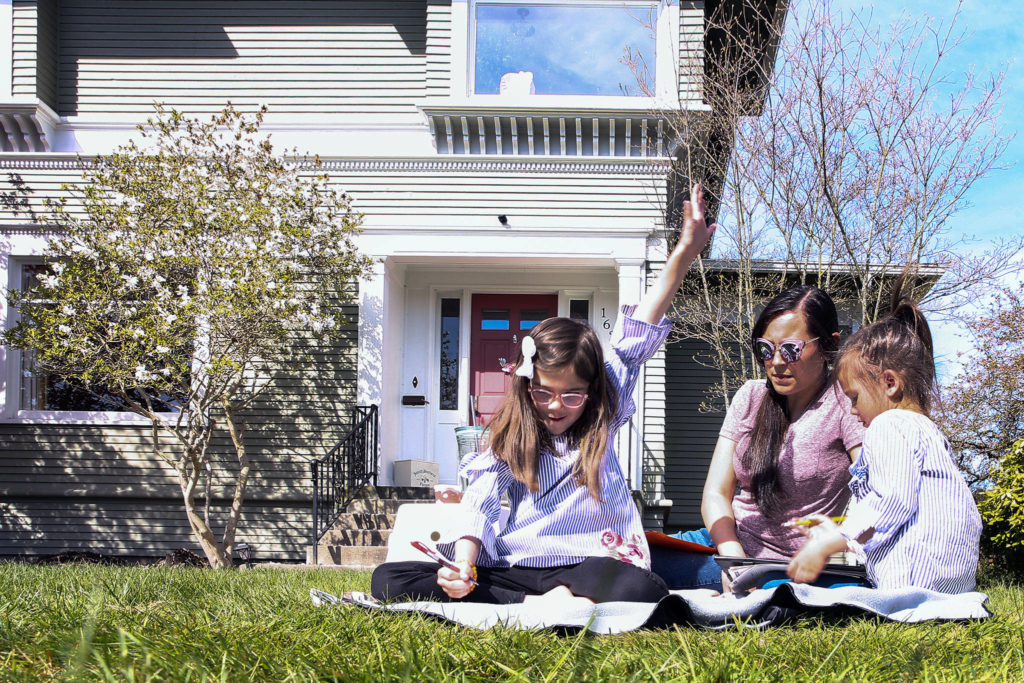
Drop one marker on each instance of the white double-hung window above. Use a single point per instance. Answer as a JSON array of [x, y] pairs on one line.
[[591, 51]]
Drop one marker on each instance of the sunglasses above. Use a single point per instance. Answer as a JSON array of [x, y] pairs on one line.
[[572, 399], [789, 349]]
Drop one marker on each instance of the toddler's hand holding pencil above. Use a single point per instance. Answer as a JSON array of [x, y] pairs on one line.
[[813, 520]]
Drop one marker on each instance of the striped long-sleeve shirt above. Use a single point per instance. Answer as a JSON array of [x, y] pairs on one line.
[[907, 488], [561, 523]]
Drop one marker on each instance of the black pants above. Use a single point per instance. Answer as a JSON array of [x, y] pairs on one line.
[[602, 579]]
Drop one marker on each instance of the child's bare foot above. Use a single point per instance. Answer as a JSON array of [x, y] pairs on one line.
[[559, 594]]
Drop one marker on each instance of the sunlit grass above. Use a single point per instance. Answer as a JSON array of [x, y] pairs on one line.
[[135, 623]]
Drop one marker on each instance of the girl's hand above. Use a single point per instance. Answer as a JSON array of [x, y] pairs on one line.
[[695, 232], [814, 526], [824, 539], [455, 584]]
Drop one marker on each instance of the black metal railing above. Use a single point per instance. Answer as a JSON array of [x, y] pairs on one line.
[[338, 476]]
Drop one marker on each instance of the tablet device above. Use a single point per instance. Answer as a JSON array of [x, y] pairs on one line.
[[727, 563]]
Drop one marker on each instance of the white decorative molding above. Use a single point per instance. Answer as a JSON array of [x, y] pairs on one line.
[[633, 166], [23, 127], [549, 132]]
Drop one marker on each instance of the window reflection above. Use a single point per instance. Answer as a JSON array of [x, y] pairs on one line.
[[579, 309], [561, 48], [449, 384], [529, 318], [494, 319]]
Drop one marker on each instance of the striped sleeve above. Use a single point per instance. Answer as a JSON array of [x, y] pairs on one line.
[[487, 479], [894, 471], [634, 342]]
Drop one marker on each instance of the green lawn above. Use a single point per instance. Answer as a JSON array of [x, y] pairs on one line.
[[135, 623]]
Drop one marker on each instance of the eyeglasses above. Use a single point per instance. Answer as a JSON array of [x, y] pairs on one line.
[[789, 349], [543, 397]]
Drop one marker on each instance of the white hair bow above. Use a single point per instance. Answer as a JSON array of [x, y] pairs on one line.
[[529, 351]]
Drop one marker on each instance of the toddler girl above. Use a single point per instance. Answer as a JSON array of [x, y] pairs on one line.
[[573, 528], [913, 520]]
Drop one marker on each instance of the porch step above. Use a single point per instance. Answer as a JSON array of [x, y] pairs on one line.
[[356, 537], [349, 556], [364, 520], [358, 540]]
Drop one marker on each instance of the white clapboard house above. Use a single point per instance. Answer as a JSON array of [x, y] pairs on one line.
[[507, 169]]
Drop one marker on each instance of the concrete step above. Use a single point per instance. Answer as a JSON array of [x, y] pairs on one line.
[[350, 557], [380, 506], [364, 520], [419, 493], [356, 537]]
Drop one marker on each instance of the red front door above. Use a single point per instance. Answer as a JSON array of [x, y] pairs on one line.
[[499, 323]]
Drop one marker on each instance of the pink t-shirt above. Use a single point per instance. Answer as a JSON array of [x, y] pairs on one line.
[[813, 467]]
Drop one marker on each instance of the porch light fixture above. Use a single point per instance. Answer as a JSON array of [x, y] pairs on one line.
[[503, 219]]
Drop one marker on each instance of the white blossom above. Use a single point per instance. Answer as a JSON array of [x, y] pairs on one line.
[[64, 329], [162, 349]]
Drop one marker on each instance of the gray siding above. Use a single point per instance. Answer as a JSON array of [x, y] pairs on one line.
[[690, 434], [439, 48], [413, 195], [315, 56], [101, 488], [23, 47], [691, 53], [34, 50], [48, 52]]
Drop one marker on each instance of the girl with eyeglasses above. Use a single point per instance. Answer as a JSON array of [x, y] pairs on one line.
[[784, 449], [573, 532]]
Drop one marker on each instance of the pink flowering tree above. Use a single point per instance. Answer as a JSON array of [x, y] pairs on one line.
[[176, 274]]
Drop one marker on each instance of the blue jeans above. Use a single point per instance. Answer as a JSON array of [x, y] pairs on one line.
[[685, 569], [682, 569]]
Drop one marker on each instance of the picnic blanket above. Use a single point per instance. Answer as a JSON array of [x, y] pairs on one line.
[[758, 608]]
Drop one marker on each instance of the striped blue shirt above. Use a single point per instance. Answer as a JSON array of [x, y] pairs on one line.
[[561, 523], [907, 488]]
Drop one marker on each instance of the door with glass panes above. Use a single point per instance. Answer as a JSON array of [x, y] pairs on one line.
[[499, 322]]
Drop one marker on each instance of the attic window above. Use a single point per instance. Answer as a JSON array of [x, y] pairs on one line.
[[560, 48]]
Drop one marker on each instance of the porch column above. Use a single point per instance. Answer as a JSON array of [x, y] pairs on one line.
[[375, 346], [629, 443]]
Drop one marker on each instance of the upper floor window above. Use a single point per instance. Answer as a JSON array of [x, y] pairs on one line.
[[561, 48]]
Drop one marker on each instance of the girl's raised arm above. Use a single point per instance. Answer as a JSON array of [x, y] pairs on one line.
[[694, 234]]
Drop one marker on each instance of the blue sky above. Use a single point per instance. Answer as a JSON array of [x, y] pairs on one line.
[[994, 41]]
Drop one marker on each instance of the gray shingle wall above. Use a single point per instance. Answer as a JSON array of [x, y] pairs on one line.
[[690, 434], [301, 56]]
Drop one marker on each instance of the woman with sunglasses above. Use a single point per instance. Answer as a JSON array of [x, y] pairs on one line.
[[784, 449]]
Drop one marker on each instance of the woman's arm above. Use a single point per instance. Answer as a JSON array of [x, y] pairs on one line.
[[694, 234], [716, 502], [854, 453]]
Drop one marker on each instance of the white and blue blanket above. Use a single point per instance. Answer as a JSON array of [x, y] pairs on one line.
[[759, 608]]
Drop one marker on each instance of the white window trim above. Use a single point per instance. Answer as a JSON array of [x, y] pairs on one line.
[[666, 72], [27, 250]]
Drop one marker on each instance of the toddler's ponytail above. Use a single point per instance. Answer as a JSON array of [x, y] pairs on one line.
[[900, 342]]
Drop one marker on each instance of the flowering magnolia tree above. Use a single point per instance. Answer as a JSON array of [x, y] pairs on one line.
[[176, 273]]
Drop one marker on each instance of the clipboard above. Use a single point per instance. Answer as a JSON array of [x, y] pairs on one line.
[[735, 566], [660, 540]]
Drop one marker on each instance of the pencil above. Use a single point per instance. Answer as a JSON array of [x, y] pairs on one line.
[[812, 522]]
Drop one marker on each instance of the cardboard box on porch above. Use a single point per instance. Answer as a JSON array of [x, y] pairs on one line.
[[415, 473]]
